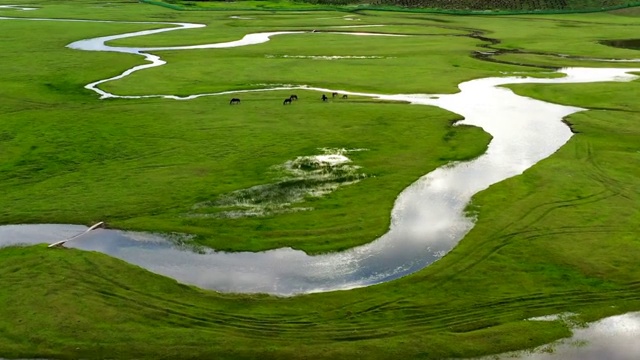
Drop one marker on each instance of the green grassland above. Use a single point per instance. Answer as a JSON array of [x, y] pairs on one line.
[[561, 237], [433, 6], [114, 158], [555, 61]]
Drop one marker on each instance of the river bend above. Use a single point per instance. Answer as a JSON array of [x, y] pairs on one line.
[[427, 219]]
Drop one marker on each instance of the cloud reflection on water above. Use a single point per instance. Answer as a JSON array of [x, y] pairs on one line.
[[427, 219], [612, 338]]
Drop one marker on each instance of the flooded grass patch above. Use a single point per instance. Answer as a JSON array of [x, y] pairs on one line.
[[303, 177]]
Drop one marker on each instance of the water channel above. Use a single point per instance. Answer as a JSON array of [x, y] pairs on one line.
[[427, 219], [611, 338]]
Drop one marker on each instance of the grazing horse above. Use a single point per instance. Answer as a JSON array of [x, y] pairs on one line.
[[334, 94], [344, 96], [324, 97], [286, 101], [293, 97], [234, 101]]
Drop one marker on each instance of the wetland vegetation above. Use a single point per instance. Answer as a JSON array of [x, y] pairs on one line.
[[442, 6], [560, 238]]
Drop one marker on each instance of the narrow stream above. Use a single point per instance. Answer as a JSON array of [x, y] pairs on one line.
[[427, 219]]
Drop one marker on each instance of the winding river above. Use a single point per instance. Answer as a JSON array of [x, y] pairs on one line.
[[427, 219]]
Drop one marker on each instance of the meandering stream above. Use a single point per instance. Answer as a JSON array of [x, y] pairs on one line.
[[427, 219]]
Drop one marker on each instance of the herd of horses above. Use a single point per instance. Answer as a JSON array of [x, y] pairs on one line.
[[290, 99]]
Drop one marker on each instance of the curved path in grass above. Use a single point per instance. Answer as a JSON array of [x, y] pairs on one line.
[[427, 219]]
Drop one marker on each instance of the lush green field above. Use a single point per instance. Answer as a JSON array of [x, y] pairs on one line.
[[146, 164], [429, 6], [561, 237]]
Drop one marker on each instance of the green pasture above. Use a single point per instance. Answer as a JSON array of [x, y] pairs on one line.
[[563, 237], [460, 7], [250, 66], [555, 61]]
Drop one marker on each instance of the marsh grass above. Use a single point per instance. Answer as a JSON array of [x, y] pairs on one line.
[[302, 178]]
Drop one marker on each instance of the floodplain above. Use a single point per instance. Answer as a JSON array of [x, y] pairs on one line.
[[561, 237]]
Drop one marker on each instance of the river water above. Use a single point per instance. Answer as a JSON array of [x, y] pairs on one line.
[[427, 219], [611, 338]]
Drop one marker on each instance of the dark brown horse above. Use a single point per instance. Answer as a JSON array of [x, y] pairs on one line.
[[344, 96], [334, 94], [234, 101]]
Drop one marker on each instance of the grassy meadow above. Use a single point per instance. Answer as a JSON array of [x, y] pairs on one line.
[[431, 6], [563, 237]]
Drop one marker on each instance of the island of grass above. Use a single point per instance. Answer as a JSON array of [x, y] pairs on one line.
[[560, 238]]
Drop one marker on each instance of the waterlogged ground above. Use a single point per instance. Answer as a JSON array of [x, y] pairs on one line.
[[303, 177]]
